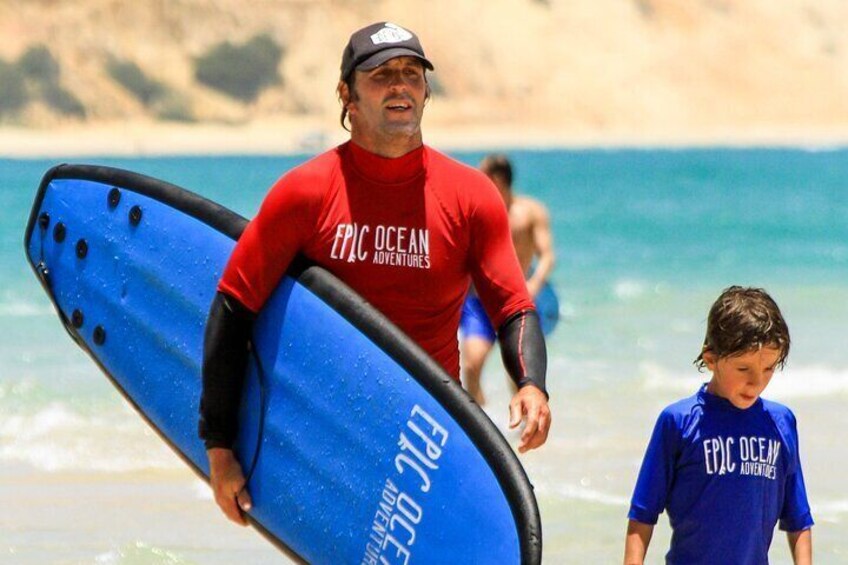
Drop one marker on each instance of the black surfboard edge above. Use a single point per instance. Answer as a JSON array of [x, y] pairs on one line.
[[367, 319]]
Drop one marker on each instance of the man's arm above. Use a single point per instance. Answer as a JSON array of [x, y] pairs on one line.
[[525, 358], [801, 546], [543, 246], [500, 285], [259, 260], [637, 541], [225, 352]]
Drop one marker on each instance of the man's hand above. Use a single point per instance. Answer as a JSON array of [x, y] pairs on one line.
[[227, 481], [530, 405]]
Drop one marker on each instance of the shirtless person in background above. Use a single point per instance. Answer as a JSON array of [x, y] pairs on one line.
[[531, 236]]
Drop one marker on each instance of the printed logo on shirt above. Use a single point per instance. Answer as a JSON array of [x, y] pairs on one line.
[[397, 246], [746, 455]]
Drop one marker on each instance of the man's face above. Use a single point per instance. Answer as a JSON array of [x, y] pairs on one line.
[[389, 100], [742, 378]]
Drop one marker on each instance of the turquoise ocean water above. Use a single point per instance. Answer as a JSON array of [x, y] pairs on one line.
[[645, 239]]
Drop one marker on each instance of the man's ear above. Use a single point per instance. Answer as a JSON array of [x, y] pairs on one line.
[[344, 93]]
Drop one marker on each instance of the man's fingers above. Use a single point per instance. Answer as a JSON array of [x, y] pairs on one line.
[[227, 502], [228, 484], [544, 424], [515, 412], [531, 426], [538, 439], [531, 442], [537, 416], [244, 500], [232, 498]]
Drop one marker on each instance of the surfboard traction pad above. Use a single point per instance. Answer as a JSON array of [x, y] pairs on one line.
[[402, 350]]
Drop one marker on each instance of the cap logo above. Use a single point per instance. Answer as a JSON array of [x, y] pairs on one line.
[[391, 33]]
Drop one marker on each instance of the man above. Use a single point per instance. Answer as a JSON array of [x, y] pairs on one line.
[[384, 180], [531, 235]]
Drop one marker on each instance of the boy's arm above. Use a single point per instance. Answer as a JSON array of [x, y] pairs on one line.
[[637, 541], [652, 486], [801, 546]]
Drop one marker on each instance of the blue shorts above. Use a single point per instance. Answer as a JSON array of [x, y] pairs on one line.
[[474, 322]]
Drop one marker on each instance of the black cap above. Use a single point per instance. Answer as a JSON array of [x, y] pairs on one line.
[[373, 45]]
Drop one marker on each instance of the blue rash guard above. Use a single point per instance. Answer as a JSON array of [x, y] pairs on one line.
[[725, 476]]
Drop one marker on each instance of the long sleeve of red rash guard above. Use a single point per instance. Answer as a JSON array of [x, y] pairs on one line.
[[523, 350], [225, 354], [497, 279], [241, 294]]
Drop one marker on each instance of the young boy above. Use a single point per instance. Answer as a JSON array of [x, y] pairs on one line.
[[724, 463]]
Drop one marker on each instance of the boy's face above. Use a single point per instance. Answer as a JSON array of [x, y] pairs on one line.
[[743, 377]]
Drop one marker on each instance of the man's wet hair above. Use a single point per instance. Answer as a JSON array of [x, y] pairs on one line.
[[349, 81], [744, 319], [497, 164]]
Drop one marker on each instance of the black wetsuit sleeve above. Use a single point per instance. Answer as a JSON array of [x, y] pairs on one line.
[[225, 354], [523, 349]]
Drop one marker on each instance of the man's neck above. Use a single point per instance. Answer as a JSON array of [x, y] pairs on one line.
[[389, 147]]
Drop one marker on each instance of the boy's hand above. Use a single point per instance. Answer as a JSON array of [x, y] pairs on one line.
[[530, 405]]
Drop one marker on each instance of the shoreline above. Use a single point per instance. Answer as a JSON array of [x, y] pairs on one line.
[[300, 135]]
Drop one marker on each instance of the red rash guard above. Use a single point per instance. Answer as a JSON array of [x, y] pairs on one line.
[[407, 234]]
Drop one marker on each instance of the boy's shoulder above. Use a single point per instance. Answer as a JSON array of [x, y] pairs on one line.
[[684, 406], [682, 415], [783, 418], [777, 409]]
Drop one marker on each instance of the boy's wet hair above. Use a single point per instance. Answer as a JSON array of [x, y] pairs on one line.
[[743, 320]]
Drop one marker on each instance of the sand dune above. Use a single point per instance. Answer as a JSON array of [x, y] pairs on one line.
[[509, 72]]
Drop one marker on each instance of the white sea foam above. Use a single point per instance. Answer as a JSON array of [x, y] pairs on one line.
[[14, 309], [567, 310], [822, 147], [139, 552], [808, 382], [793, 382], [17, 388], [57, 438], [658, 378], [629, 289], [579, 492], [831, 511]]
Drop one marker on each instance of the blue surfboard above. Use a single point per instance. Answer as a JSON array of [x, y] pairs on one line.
[[359, 447]]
